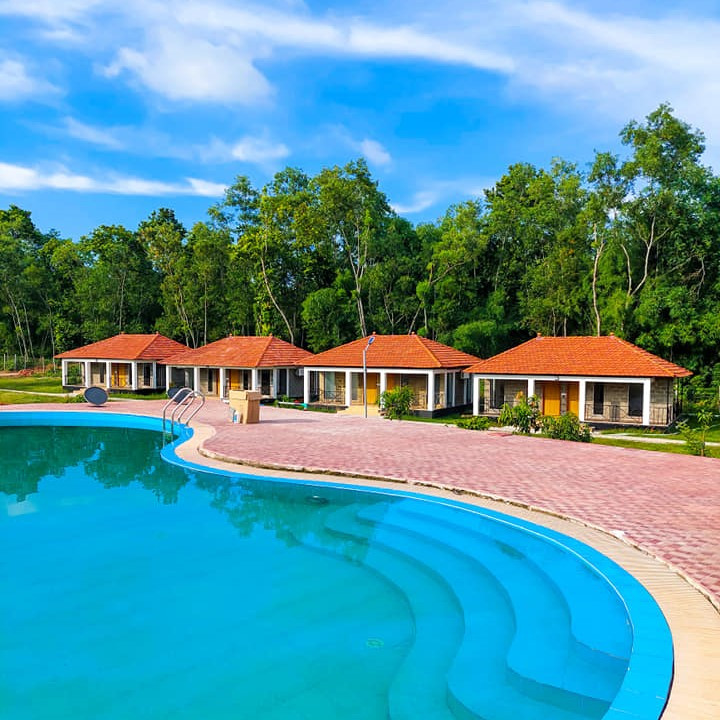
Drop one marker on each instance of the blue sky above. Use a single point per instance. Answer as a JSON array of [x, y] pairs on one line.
[[109, 110]]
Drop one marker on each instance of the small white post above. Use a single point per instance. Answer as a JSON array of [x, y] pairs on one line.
[[134, 378], [254, 379], [168, 377], [431, 391], [63, 371], [196, 378], [88, 374], [306, 386], [348, 388], [221, 390], [582, 394], [108, 373]]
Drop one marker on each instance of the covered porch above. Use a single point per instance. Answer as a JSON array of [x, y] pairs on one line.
[[611, 400], [273, 383], [113, 374], [432, 390]]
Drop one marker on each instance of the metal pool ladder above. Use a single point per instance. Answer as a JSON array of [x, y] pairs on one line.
[[184, 400]]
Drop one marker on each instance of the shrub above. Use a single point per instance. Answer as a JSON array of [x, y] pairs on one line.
[[476, 422], [565, 427], [524, 416], [397, 402]]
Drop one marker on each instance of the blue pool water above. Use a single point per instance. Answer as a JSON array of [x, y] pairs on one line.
[[137, 588]]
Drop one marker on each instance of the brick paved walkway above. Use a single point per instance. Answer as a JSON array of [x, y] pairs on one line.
[[667, 504]]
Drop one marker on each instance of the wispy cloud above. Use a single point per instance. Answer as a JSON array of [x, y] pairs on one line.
[[96, 136], [439, 192], [17, 83], [21, 178], [375, 153]]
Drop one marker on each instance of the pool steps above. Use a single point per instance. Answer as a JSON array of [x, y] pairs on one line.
[[555, 571], [469, 676]]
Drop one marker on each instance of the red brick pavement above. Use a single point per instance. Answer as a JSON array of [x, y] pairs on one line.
[[667, 504]]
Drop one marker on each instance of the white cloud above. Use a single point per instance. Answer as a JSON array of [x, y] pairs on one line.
[[258, 150], [93, 135], [440, 192], [16, 83], [17, 178], [374, 152], [182, 67], [418, 202]]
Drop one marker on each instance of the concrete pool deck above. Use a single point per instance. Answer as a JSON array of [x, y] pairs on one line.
[[616, 499]]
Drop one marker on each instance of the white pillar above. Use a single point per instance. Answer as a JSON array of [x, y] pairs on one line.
[[348, 387], [646, 401], [582, 393], [168, 376], [221, 390], [476, 394], [275, 377], [196, 378], [154, 375], [254, 379], [63, 371], [383, 385], [306, 385], [108, 373], [88, 374], [134, 380], [431, 391], [531, 387]]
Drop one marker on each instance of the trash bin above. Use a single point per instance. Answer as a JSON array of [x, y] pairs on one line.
[[245, 405]]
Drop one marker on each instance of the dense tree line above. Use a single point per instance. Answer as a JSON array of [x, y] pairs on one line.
[[630, 246]]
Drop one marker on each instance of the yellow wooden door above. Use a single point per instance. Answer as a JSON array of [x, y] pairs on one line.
[[551, 399], [373, 388], [574, 398], [120, 375]]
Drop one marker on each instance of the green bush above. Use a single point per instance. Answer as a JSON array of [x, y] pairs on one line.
[[524, 416], [397, 402], [476, 422], [565, 427]]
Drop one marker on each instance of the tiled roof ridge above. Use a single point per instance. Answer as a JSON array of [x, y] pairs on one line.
[[656, 360], [432, 355]]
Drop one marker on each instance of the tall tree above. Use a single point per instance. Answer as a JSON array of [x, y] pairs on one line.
[[356, 215]]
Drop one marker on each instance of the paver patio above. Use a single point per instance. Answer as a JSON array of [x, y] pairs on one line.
[[667, 504]]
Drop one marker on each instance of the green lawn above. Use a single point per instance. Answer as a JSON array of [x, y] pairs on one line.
[[657, 447], [713, 434], [138, 396], [32, 383], [12, 398]]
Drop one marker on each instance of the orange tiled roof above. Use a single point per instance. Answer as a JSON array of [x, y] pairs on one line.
[[243, 352], [394, 351], [607, 356], [127, 346]]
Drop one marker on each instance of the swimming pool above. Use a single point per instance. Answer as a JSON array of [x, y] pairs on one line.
[[145, 588]]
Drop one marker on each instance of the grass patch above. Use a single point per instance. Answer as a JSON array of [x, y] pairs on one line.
[[444, 420], [676, 448], [138, 396], [11, 398], [32, 383]]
